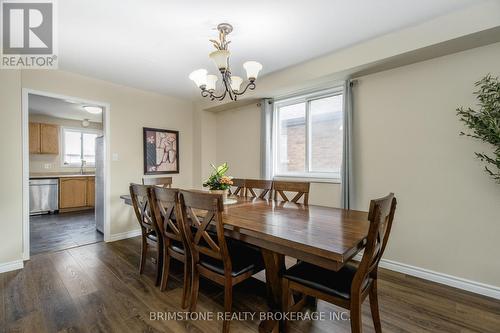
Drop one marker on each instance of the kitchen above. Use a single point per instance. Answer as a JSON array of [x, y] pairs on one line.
[[65, 174]]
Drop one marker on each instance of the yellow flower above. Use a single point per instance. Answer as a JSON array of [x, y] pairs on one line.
[[226, 180]]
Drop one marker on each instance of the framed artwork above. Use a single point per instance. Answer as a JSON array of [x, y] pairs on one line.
[[161, 151]]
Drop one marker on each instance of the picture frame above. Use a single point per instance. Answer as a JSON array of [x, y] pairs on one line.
[[161, 151]]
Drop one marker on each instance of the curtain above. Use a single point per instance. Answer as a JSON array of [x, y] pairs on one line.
[[346, 176], [266, 138]]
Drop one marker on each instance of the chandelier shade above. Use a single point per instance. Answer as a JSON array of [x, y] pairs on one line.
[[232, 85], [252, 68]]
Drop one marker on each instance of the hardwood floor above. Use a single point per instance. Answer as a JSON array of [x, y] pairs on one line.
[[62, 231], [97, 288]]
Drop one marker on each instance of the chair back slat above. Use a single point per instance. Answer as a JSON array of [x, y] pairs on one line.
[[142, 209], [301, 190], [381, 216], [164, 204], [238, 187], [158, 181], [200, 212], [258, 188]]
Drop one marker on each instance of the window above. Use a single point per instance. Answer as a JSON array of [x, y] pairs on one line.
[[78, 145], [308, 135]]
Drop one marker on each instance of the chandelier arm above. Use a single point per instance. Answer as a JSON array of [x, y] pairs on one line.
[[228, 88], [250, 85]]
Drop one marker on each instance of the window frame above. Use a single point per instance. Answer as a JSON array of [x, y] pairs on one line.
[[307, 99], [63, 144]]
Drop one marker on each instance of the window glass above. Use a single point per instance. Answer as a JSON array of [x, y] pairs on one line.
[[292, 143]]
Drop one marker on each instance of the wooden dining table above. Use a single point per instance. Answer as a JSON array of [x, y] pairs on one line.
[[324, 236]]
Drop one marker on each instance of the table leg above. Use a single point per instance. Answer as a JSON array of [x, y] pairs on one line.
[[275, 265]]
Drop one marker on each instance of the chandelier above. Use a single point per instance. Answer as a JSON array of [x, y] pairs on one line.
[[231, 84]]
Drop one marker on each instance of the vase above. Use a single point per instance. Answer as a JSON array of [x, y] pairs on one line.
[[223, 192]]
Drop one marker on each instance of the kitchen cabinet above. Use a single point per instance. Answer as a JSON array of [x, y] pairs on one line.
[[43, 138], [90, 191], [72, 192]]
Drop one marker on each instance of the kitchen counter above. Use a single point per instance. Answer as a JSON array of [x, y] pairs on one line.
[[59, 175]]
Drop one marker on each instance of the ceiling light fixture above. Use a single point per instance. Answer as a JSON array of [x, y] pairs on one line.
[[230, 84], [92, 109], [85, 123]]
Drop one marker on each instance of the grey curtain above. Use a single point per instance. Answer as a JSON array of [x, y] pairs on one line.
[[346, 171], [266, 138]]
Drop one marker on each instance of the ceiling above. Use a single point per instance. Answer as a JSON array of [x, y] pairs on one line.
[[60, 108], [155, 44]]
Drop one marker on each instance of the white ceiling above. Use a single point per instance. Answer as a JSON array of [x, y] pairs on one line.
[[155, 44], [60, 108]]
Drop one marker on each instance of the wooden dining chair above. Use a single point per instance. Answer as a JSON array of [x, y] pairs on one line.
[[258, 188], [301, 189], [350, 286], [165, 206], [239, 183], [150, 234], [158, 181], [225, 262]]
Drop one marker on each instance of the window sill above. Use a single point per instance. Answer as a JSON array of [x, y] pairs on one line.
[[309, 179]]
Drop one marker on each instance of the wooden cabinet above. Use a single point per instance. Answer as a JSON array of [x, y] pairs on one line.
[[91, 191], [44, 138], [34, 133], [72, 192], [76, 193]]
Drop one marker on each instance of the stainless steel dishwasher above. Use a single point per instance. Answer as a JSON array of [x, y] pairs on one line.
[[44, 196]]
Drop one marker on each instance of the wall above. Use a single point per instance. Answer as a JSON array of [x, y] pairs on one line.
[[11, 242], [406, 141], [38, 162], [131, 109]]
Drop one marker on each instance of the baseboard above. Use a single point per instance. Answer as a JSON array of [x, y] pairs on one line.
[[11, 266], [449, 280], [124, 235]]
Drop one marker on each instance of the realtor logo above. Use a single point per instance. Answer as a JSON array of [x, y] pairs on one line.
[[28, 38]]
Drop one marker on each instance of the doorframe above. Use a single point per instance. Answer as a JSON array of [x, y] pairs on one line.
[[25, 151]]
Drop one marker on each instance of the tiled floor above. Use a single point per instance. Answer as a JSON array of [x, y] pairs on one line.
[[62, 231]]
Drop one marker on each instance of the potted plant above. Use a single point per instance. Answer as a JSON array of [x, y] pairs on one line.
[[218, 182]]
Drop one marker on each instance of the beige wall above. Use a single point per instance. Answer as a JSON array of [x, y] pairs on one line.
[[406, 141], [39, 162], [11, 241], [131, 109]]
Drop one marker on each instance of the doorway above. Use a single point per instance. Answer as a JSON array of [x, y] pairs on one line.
[[65, 172]]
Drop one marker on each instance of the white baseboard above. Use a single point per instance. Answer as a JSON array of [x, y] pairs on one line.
[[11, 266], [449, 280], [124, 235]]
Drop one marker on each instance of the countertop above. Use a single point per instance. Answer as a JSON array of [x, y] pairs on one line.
[[59, 175]]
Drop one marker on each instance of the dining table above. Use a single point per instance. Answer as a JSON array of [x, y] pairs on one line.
[[324, 236]]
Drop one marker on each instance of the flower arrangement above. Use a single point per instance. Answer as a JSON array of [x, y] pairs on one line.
[[218, 181]]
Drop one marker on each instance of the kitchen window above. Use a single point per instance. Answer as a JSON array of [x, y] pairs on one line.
[[78, 145], [308, 135]]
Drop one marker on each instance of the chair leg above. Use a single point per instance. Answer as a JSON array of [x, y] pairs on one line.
[[186, 286], [356, 325], [285, 303], [374, 307], [144, 250], [228, 304], [159, 263], [195, 285], [165, 270]]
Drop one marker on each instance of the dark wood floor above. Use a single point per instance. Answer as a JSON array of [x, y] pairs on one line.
[[62, 231], [97, 288]]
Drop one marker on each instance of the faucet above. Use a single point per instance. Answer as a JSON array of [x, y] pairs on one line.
[[81, 166]]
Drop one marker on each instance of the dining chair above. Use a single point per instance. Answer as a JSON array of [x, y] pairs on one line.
[[239, 183], [225, 262], [150, 234], [301, 189], [165, 206], [158, 181], [350, 286], [262, 186]]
